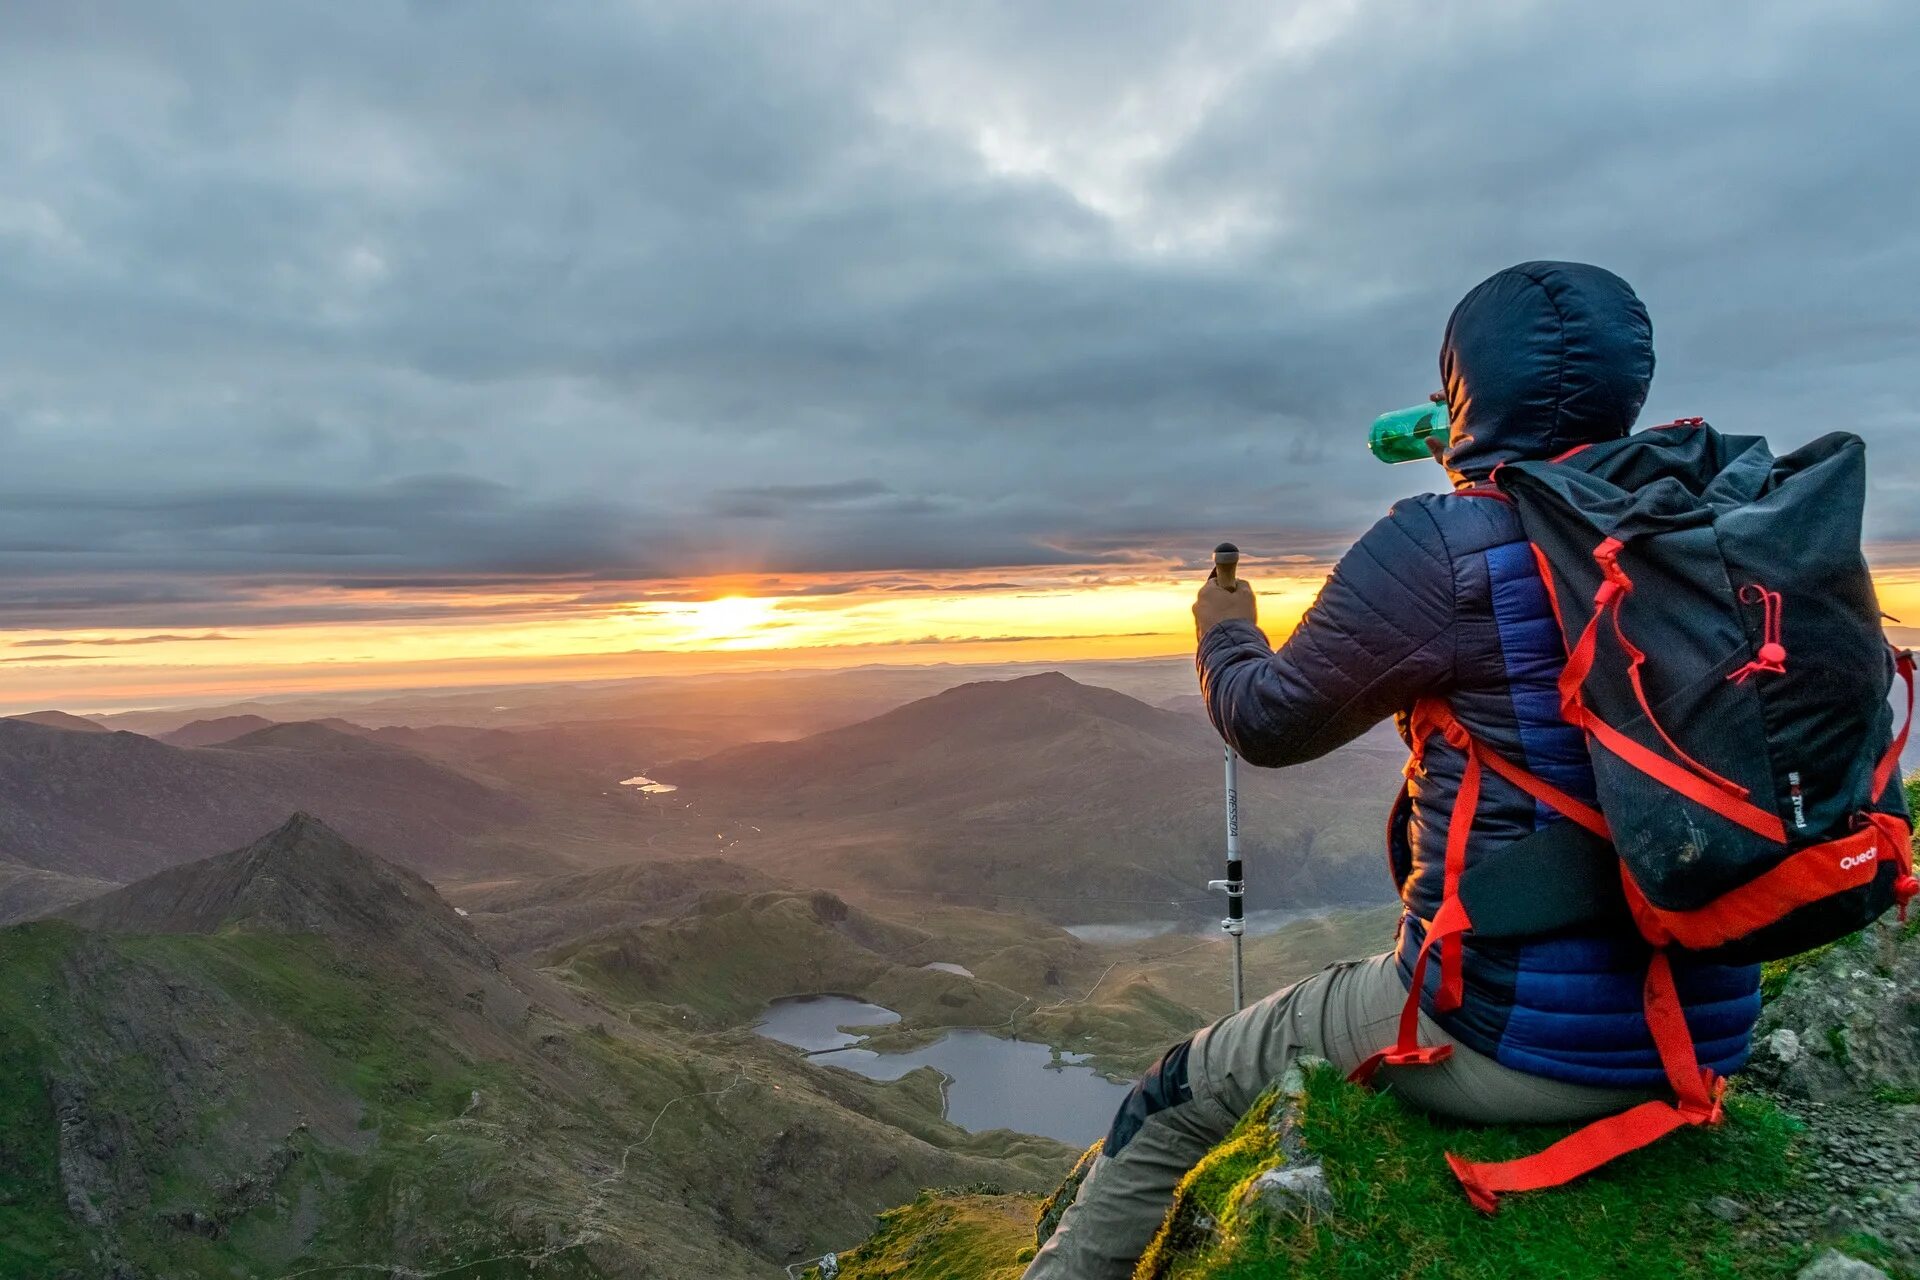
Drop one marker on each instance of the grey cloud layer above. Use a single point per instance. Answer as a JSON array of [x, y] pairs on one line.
[[441, 294]]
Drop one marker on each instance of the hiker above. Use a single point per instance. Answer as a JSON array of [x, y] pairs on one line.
[[1442, 598]]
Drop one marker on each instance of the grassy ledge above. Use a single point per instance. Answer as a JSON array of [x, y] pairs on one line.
[[1400, 1214]]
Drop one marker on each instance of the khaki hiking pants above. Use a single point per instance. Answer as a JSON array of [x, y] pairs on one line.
[[1342, 1014]]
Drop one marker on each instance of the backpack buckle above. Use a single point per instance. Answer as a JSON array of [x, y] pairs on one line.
[[1423, 1055]]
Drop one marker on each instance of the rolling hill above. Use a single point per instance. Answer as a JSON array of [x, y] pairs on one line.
[[1048, 795], [61, 720], [113, 806], [26, 893], [519, 916], [211, 733]]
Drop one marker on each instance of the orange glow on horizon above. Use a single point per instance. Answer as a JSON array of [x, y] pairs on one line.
[[537, 634]]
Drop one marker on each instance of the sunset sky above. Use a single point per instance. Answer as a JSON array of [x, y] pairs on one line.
[[384, 345]]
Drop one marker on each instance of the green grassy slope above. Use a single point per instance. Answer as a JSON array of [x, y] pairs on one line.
[[247, 1105]]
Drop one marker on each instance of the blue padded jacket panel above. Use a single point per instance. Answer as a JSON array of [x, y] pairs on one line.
[[1534, 654], [1577, 1012]]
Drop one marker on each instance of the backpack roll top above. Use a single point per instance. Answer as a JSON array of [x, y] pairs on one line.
[[1726, 660]]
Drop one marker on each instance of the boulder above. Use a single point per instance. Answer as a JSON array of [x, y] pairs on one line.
[[1290, 1191], [1844, 1022], [1834, 1265]]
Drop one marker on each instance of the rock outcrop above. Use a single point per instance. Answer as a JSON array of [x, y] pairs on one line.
[[1843, 1022]]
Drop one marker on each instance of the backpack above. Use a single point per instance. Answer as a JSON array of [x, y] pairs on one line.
[[1726, 661]]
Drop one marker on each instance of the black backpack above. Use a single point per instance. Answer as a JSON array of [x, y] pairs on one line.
[[1726, 660]]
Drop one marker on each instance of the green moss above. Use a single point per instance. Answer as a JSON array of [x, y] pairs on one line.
[[1402, 1214], [946, 1236]]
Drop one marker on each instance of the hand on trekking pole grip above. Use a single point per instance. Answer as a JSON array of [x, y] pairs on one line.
[[1225, 595]]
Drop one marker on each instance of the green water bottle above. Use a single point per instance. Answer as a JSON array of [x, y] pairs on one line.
[[1401, 436]]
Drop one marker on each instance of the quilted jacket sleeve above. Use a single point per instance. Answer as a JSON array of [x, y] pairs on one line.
[[1379, 635]]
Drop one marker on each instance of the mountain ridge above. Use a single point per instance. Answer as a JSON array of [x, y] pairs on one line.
[[301, 877], [1044, 790], [117, 805], [62, 720]]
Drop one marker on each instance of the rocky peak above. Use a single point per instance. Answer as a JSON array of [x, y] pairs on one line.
[[303, 877]]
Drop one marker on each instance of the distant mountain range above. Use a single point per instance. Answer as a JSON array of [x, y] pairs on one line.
[[737, 707], [1045, 794], [1040, 794], [61, 720], [114, 806]]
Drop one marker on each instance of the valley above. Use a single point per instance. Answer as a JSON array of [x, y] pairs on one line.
[[477, 1010]]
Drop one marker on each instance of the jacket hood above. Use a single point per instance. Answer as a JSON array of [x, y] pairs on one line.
[[1539, 358]]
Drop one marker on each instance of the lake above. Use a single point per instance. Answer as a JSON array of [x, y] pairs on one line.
[[992, 1083]]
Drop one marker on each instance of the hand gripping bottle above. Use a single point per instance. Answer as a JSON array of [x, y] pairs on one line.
[[1401, 436]]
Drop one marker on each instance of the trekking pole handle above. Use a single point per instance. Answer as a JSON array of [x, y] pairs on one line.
[[1226, 566]]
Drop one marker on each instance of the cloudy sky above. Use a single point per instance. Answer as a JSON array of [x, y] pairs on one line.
[[404, 339]]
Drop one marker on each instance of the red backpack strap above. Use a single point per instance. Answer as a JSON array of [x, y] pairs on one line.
[[1697, 1095], [1896, 836], [1450, 923], [1883, 773], [1686, 776]]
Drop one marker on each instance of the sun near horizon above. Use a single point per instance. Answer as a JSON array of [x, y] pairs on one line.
[[717, 625], [700, 626]]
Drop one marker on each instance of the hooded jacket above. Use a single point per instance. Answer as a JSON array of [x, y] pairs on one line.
[[1442, 598]]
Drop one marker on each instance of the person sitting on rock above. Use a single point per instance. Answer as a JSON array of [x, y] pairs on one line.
[[1442, 597]]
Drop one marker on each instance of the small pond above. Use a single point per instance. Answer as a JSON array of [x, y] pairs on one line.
[[992, 1083], [947, 966], [813, 1022]]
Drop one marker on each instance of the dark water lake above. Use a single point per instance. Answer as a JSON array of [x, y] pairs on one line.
[[991, 1083]]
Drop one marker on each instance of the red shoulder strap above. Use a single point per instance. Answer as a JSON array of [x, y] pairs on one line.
[[1450, 923]]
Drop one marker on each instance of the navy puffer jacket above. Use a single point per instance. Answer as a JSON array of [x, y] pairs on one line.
[[1442, 598]]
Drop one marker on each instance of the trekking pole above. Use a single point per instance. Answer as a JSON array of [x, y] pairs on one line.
[[1226, 564]]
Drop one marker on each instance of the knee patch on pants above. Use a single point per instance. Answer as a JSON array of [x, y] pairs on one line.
[[1164, 1085]]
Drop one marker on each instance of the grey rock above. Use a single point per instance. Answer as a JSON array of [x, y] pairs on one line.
[[1291, 1191], [1727, 1209], [1294, 1078], [1834, 1265], [1284, 1125], [1863, 994]]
